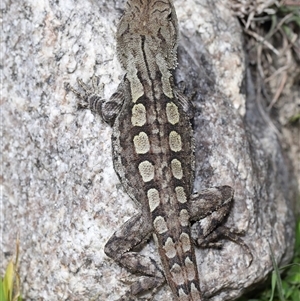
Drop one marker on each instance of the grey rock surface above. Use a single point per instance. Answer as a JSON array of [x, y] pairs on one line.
[[60, 193]]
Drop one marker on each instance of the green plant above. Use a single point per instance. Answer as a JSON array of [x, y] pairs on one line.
[[10, 283], [286, 287]]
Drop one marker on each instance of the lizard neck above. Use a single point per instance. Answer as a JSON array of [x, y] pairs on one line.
[[147, 43], [146, 68]]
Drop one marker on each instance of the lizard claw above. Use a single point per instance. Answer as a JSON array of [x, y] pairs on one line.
[[211, 240], [90, 97]]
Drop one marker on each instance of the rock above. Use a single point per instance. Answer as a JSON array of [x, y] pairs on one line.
[[60, 192]]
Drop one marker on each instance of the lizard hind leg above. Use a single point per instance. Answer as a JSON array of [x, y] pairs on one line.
[[211, 240], [210, 208], [120, 248], [149, 284]]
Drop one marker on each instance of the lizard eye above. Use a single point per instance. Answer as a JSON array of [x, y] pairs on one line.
[[169, 18]]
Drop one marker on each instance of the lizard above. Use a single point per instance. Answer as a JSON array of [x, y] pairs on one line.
[[153, 156]]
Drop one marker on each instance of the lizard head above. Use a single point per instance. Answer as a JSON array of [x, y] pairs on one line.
[[147, 28]]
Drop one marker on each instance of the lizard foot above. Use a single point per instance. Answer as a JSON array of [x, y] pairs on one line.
[[91, 96], [211, 241]]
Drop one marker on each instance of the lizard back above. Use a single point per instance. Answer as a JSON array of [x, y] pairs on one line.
[[153, 139]]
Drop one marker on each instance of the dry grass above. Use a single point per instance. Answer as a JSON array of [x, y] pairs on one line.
[[273, 29], [272, 36]]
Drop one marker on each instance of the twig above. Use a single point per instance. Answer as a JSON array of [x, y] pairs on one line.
[[279, 90], [291, 3], [261, 40]]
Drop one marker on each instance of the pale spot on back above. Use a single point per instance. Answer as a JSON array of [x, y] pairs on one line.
[[175, 141], [136, 87], [172, 113], [146, 170], [153, 198], [180, 194], [190, 268], [176, 169], [170, 248], [185, 240], [184, 218], [155, 239], [182, 295], [141, 143], [160, 225], [138, 117], [177, 274], [195, 292], [166, 75]]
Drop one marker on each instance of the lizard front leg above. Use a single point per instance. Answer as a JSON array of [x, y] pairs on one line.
[[91, 98], [120, 248]]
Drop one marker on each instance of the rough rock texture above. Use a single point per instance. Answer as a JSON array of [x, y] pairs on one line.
[[60, 192]]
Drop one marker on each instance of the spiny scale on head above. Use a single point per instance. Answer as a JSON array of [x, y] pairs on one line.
[[149, 18]]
